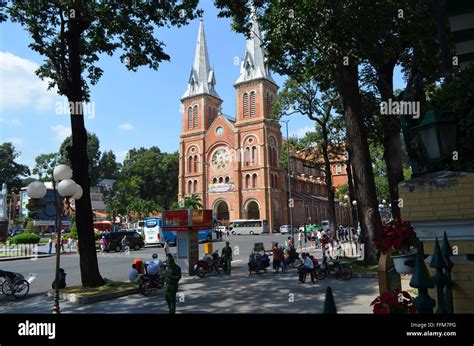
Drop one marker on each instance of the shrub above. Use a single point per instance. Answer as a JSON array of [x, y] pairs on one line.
[[26, 238]]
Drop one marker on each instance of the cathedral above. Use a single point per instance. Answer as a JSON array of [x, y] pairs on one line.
[[232, 163]]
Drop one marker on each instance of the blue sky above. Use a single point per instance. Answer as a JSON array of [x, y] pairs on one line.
[[132, 109]]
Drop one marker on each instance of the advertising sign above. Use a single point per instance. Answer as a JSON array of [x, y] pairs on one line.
[[182, 220], [201, 218], [175, 219], [222, 187]]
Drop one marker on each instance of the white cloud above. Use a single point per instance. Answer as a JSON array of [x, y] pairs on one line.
[[20, 86], [300, 133], [11, 122], [61, 132], [126, 127], [17, 141]]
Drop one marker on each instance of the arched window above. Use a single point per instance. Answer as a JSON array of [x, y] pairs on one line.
[[246, 105], [276, 181], [247, 181], [196, 162], [214, 181], [339, 168], [254, 180], [209, 115], [221, 180], [190, 186], [195, 186], [254, 155], [195, 117], [190, 164], [227, 179], [190, 118], [247, 156], [252, 103], [275, 156], [270, 156]]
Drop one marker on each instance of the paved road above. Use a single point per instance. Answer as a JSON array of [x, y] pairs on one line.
[[115, 266]]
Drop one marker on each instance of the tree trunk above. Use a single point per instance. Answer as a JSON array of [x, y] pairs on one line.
[[391, 138], [89, 267], [346, 80], [328, 178], [350, 184]]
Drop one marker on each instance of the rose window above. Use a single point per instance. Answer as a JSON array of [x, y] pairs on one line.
[[221, 160]]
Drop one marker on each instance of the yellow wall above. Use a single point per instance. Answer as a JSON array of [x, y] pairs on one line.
[[449, 199]]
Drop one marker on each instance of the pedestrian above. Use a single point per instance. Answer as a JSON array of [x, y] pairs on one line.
[[317, 243], [124, 243], [69, 243], [50, 244], [133, 273], [300, 241], [227, 258], [173, 275], [102, 244], [289, 244], [277, 257]]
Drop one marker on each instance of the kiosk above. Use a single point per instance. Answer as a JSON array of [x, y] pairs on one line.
[[187, 223]]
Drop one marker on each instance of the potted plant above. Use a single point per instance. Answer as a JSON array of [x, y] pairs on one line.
[[393, 302], [399, 239]]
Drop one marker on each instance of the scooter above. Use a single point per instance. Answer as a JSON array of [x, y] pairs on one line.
[[151, 283], [208, 265]]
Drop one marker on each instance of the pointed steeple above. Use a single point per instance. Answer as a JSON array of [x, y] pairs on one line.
[[253, 65], [202, 79]]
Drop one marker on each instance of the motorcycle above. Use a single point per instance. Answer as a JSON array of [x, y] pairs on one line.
[[337, 269], [209, 264], [149, 284]]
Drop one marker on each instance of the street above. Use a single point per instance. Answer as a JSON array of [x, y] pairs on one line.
[[239, 293]]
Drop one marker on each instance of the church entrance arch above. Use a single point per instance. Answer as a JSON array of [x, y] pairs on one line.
[[221, 211], [253, 210]]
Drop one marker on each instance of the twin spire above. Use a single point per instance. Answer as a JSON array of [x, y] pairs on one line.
[[202, 78]]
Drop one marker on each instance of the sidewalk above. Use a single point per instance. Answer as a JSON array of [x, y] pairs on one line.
[[238, 293]]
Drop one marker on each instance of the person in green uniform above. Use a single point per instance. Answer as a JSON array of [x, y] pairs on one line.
[[173, 275], [227, 257]]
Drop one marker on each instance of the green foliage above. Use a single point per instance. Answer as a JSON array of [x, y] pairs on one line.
[[93, 153], [44, 165], [139, 209], [25, 238], [456, 101], [191, 202], [11, 171], [108, 167], [149, 175], [73, 232]]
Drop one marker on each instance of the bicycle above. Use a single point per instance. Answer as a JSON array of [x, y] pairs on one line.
[[19, 286]]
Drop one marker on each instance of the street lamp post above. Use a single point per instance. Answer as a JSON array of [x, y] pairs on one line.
[[290, 200], [67, 188]]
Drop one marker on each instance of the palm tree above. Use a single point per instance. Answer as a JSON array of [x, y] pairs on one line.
[[192, 202]]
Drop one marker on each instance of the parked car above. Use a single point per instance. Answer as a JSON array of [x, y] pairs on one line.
[[286, 229], [114, 240]]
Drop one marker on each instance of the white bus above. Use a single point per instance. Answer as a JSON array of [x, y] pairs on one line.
[[248, 227]]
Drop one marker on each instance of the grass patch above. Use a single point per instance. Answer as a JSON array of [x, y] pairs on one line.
[[361, 267], [44, 240], [110, 286]]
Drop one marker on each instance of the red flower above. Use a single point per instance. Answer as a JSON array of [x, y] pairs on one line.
[[390, 302]]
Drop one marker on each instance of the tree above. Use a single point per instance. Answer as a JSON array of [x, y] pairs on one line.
[[301, 96], [45, 164], [140, 208], [11, 171], [71, 36], [191, 202], [93, 153], [108, 168]]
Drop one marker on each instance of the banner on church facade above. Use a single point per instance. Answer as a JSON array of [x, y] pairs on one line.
[[221, 187]]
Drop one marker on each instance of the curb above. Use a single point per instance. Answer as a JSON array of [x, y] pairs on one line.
[[74, 298], [5, 259]]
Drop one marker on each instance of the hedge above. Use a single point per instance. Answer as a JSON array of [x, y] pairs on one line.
[[26, 238]]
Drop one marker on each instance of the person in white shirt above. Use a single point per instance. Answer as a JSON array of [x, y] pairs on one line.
[[308, 267], [300, 240], [133, 273]]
